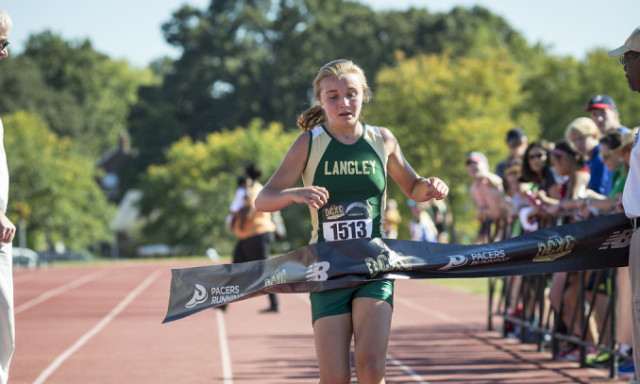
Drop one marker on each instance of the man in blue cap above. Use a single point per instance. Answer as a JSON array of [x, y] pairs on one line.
[[604, 113]]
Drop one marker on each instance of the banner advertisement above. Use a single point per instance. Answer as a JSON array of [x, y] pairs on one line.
[[597, 243]]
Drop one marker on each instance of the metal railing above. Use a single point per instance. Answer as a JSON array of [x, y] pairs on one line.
[[523, 305]]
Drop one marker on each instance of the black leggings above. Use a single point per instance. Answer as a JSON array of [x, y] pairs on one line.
[[254, 248]]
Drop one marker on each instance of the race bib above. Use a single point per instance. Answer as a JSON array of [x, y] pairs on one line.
[[347, 220]]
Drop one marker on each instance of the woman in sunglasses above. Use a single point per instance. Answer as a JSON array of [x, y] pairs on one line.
[[540, 182], [537, 169]]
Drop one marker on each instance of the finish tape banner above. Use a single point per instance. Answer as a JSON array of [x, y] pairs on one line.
[[601, 242]]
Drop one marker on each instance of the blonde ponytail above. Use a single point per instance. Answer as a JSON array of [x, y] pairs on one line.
[[311, 118]]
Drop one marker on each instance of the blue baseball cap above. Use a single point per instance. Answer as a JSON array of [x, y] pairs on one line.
[[601, 102]]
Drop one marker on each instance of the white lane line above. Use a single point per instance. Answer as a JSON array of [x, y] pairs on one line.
[[60, 290], [417, 378], [96, 329], [227, 374], [433, 313]]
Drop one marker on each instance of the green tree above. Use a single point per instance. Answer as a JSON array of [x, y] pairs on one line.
[[558, 89], [441, 108], [461, 32], [246, 59], [554, 93], [81, 93], [186, 200], [53, 189], [153, 128]]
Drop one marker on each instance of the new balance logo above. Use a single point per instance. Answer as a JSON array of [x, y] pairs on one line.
[[318, 271], [619, 239]]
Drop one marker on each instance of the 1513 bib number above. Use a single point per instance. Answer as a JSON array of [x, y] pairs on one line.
[[353, 229], [347, 220]]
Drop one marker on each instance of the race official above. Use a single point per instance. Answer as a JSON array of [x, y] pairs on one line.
[[7, 232], [629, 54]]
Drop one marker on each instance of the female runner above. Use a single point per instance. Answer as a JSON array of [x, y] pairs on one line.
[[343, 164]]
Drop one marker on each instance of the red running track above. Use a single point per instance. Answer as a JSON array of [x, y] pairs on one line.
[[103, 325]]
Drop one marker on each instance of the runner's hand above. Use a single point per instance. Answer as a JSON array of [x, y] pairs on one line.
[[436, 188], [314, 197]]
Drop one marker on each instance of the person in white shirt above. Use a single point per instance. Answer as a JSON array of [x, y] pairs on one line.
[[629, 54], [238, 202], [7, 232]]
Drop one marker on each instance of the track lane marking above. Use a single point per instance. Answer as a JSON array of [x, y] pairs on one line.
[[406, 369], [227, 374], [58, 361], [434, 313], [57, 291]]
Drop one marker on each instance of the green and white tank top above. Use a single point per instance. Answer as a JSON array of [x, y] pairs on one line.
[[356, 177]]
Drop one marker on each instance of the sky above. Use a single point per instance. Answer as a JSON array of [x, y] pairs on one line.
[[130, 29]]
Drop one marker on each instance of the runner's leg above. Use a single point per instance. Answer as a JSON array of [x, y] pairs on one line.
[[333, 341], [372, 327]]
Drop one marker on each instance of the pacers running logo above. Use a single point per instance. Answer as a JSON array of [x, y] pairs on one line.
[[454, 262], [199, 296], [318, 271]]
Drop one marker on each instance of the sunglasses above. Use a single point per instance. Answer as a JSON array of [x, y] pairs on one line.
[[537, 155], [4, 45], [606, 155], [624, 59]]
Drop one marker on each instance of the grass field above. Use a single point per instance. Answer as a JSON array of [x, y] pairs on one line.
[[476, 286]]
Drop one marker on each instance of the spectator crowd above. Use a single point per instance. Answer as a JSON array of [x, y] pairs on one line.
[[542, 184]]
